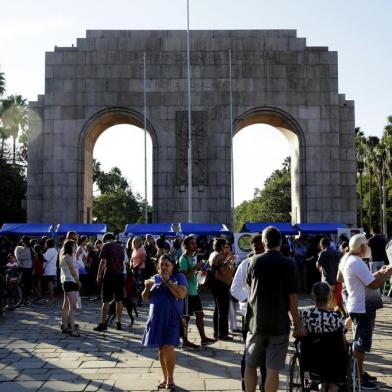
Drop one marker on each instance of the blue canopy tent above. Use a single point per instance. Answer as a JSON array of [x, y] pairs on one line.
[[82, 228], [203, 229], [137, 229], [320, 228], [33, 229], [257, 227]]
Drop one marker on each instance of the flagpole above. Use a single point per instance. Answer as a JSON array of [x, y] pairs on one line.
[[145, 140], [189, 124], [231, 149]]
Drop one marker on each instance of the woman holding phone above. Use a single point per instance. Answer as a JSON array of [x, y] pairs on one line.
[[165, 291]]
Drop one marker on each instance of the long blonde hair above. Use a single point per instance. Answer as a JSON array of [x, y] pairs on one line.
[[136, 243]]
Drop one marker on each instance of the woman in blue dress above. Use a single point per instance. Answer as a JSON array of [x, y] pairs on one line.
[[166, 292]]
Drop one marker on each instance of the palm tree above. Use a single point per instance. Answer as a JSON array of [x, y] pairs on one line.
[[287, 164], [2, 83], [14, 118], [387, 141], [360, 144], [371, 165]]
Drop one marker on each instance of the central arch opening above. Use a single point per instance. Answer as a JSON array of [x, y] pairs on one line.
[[287, 142], [114, 138]]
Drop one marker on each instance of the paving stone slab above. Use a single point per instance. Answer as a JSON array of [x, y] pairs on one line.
[[21, 386], [112, 362], [65, 386]]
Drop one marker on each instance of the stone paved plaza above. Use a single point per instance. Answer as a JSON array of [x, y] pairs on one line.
[[35, 356]]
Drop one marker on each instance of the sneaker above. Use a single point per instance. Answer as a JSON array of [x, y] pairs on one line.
[[368, 385], [76, 326], [118, 326], [366, 376], [206, 341], [101, 327], [190, 346], [225, 337]]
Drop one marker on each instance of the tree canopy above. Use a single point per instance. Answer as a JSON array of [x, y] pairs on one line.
[[116, 205], [13, 190], [270, 204], [374, 162]]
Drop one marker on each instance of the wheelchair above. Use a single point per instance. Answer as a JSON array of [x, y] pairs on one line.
[[323, 359]]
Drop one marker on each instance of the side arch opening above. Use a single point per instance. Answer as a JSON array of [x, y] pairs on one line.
[[92, 130], [293, 133]]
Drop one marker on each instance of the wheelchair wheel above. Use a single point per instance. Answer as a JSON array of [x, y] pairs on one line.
[[294, 382], [353, 378]]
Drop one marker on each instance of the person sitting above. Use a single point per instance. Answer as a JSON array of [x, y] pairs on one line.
[[320, 320]]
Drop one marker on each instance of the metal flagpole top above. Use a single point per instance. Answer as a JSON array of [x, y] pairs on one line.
[[189, 125]]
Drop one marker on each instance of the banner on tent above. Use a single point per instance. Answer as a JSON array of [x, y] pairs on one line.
[[242, 245], [349, 231]]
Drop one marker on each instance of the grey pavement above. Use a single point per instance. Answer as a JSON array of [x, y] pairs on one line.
[[36, 356]]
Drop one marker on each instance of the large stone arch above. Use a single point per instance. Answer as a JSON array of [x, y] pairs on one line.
[[94, 127], [276, 79]]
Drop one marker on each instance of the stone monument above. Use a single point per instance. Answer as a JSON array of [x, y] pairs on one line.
[[276, 80]]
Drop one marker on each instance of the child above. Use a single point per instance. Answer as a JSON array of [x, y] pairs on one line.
[[12, 269]]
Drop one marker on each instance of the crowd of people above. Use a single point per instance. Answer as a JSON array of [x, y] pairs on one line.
[[262, 288]]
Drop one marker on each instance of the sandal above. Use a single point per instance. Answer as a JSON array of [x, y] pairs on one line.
[[161, 385], [171, 386]]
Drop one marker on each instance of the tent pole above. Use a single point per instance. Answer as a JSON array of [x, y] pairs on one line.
[[145, 139]]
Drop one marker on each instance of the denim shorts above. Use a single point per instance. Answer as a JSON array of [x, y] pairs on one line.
[[270, 351], [363, 325]]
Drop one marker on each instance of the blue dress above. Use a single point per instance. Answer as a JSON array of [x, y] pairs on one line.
[[163, 324]]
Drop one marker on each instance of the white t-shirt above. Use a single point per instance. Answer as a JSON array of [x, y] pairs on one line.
[[212, 255], [51, 259], [356, 276], [239, 288]]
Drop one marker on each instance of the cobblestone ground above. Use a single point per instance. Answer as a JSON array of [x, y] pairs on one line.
[[36, 356]]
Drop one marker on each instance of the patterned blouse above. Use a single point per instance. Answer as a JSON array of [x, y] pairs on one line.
[[321, 321]]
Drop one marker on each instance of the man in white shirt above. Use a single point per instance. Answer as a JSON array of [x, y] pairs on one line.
[[363, 300], [240, 291]]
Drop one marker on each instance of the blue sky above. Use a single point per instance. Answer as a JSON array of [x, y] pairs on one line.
[[359, 30]]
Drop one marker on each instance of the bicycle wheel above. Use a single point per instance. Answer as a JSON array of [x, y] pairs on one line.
[[294, 382]]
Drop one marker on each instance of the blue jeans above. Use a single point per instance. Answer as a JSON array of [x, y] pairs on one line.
[[363, 326]]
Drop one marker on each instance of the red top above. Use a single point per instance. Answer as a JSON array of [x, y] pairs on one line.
[[38, 266]]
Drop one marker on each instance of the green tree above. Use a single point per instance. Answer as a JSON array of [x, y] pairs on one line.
[[387, 143], [270, 204], [374, 155], [14, 118], [117, 208], [112, 181], [2, 83], [13, 190]]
